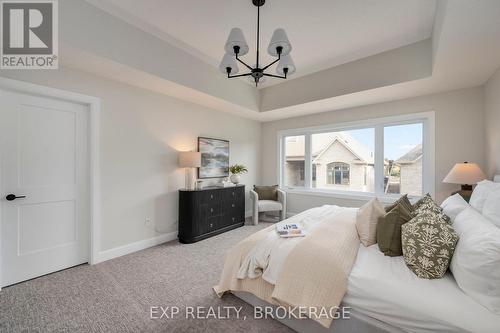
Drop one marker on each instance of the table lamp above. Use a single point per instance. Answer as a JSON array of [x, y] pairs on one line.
[[189, 160], [466, 174]]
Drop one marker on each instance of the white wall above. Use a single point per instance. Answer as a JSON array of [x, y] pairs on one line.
[[459, 128], [141, 132], [492, 121]]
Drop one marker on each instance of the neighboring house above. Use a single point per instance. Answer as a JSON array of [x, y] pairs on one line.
[[411, 171], [341, 163]]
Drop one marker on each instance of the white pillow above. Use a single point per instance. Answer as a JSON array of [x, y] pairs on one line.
[[481, 192], [476, 260], [366, 221], [491, 208], [453, 206]]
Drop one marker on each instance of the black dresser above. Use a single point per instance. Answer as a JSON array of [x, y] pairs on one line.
[[210, 211]]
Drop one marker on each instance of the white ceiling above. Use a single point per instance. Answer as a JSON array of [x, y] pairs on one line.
[[324, 33]]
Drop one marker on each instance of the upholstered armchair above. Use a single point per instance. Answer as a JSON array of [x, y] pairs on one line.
[[260, 206]]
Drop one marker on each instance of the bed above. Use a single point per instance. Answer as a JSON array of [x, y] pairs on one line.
[[381, 293]]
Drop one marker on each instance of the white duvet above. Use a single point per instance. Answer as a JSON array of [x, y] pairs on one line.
[[385, 289]]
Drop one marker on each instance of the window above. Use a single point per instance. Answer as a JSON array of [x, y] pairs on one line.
[[385, 156], [339, 159], [294, 161], [338, 173], [403, 157]]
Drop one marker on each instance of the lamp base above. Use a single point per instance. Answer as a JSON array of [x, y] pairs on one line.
[[466, 194], [466, 187], [189, 179]]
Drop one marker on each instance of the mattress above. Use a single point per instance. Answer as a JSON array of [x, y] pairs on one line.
[[384, 288]]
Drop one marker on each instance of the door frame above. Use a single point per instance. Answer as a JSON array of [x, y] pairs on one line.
[[93, 107]]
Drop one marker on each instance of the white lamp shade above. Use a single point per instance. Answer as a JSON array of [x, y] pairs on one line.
[[286, 62], [189, 159], [465, 174], [229, 61], [236, 38], [279, 38]]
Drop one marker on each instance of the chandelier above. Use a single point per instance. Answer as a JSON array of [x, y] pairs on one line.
[[236, 46]]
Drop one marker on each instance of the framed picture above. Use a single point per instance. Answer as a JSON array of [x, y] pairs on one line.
[[214, 158]]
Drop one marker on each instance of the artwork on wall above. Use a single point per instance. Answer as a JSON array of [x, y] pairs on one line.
[[214, 158]]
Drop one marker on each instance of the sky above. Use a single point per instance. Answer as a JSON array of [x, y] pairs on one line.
[[398, 140]]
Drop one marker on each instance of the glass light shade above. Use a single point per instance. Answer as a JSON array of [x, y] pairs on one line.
[[286, 62], [229, 61], [236, 38], [465, 174], [279, 38], [189, 159]]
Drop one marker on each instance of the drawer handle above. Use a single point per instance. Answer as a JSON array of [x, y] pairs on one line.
[[211, 225], [232, 205], [211, 210], [211, 196], [233, 193], [233, 219]]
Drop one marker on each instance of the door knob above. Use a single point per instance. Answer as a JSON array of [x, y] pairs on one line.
[[11, 197]]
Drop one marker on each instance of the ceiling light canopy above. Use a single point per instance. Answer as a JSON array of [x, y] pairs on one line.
[[236, 46]]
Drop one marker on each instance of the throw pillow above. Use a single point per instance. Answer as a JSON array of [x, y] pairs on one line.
[[428, 245], [481, 193], [426, 204], [403, 201], [476, 262], [453, 206], [366, 221], [389, 230], [491, 207], [267, 192]]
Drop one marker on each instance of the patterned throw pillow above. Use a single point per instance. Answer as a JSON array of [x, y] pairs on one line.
[[428, 244], [426, 204]]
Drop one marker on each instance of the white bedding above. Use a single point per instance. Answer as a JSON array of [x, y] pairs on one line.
[[267, 257], [385, 289]]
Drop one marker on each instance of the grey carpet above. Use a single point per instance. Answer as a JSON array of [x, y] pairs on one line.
[[116, 296]]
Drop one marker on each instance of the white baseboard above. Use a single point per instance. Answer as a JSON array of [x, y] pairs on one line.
[[136, 246], [248, 213]]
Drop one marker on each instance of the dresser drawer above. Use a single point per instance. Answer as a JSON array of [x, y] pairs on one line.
[[213, 223], [208, 210], [233, 194], [210, 197]]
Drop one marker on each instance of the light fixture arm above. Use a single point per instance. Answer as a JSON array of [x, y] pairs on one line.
[[285, 70]]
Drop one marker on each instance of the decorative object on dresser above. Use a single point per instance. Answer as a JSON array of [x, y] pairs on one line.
[[214, 158], [236, 170], [189, 160], [267, 199], [210, 211], [466, 174]]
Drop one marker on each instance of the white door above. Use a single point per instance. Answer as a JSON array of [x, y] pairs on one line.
[[44, 162]]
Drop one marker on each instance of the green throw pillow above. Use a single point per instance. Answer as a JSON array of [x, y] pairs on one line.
[[428, 245], [267, 192], [403, 201], [426, 204], [389, 230]]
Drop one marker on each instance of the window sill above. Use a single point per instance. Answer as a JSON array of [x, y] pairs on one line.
[[358, 196]]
